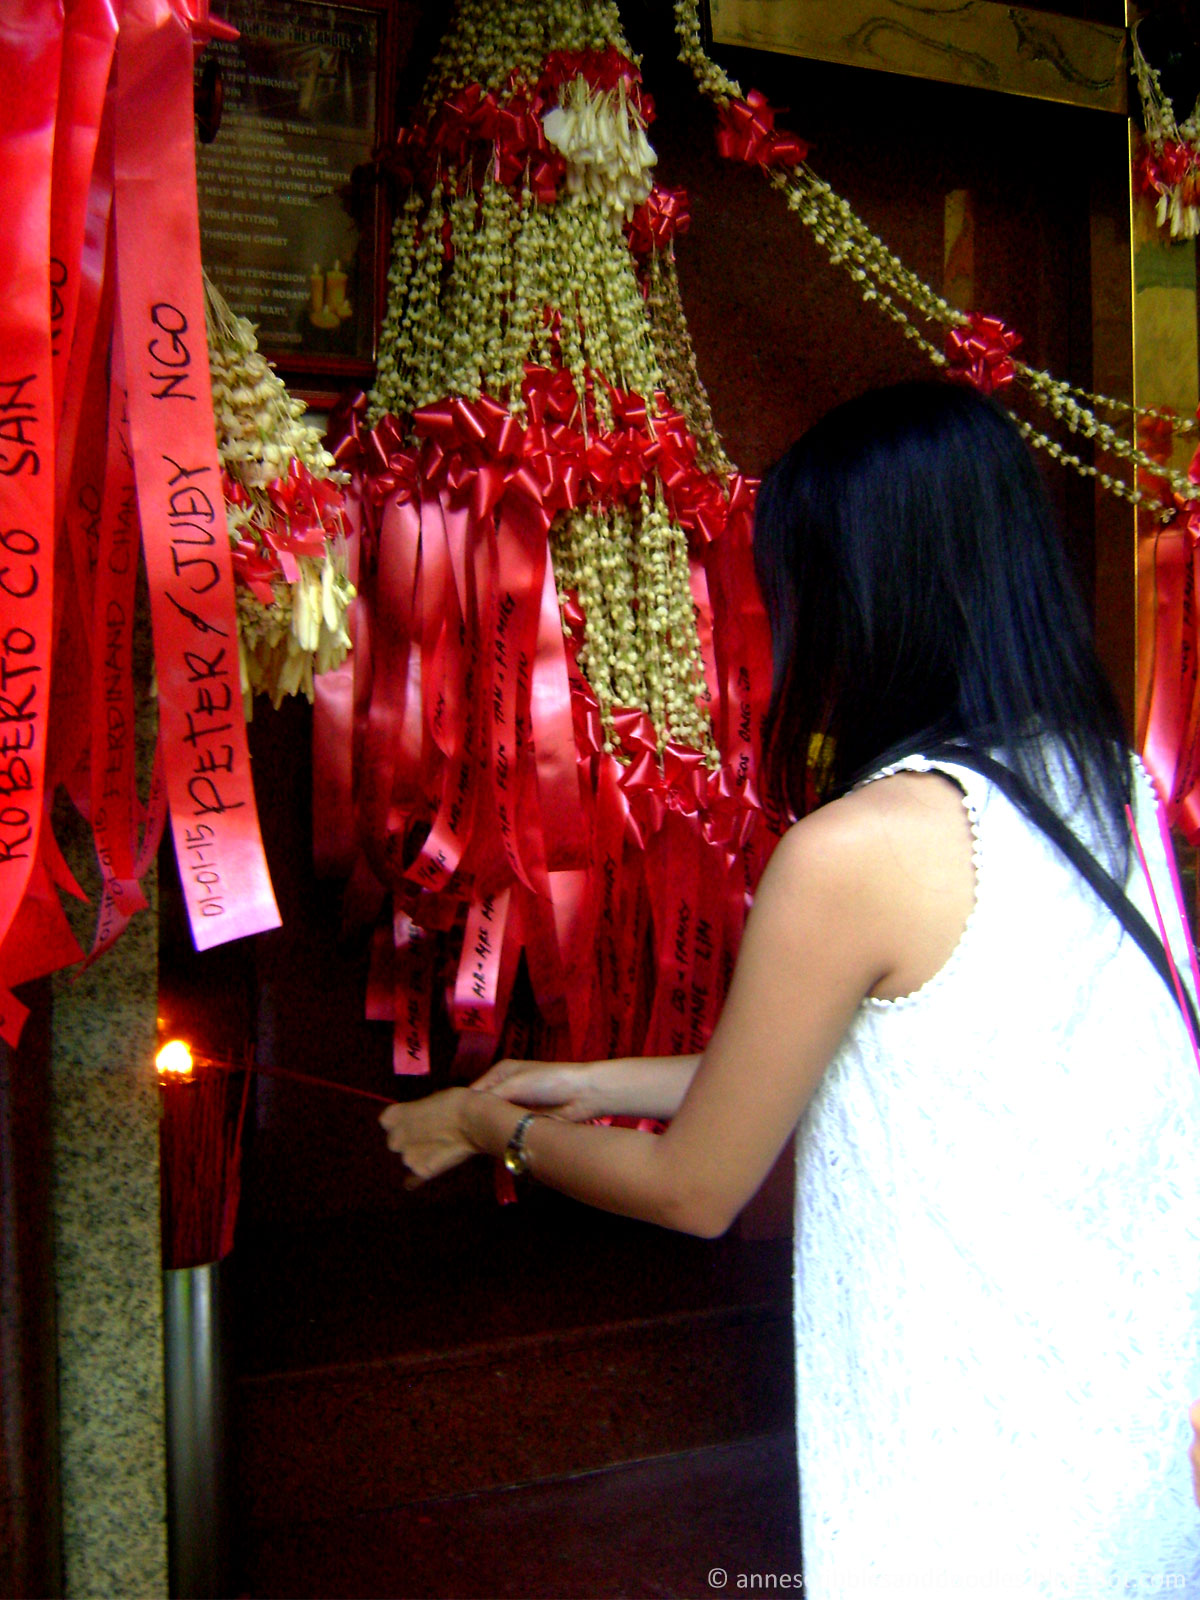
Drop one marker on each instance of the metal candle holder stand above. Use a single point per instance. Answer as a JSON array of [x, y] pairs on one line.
[[195, 1338]]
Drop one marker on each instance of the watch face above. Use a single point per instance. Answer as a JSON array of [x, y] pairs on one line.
[[515, 1158]]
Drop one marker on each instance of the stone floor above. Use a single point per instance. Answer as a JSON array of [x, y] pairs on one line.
[[686, 1526]]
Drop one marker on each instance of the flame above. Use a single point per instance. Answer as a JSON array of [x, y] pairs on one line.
[[174, 1061]]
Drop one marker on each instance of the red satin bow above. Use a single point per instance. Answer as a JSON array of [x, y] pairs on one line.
[[979, 352], [472, 130], [663, 214], [602, 70], [307, 512], [746, 132], [1161, 169]]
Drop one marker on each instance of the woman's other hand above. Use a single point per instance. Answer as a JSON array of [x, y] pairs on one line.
[[428, 1135], [1195, 1450], [568, 1088], [579, 1091]]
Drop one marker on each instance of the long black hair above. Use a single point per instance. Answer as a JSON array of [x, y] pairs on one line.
[[918, 592]]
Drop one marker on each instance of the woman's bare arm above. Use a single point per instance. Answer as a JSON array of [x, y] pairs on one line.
[[869, 895]]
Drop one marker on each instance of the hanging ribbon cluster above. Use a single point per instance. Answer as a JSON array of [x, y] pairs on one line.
[[539, 765], [107, 439]]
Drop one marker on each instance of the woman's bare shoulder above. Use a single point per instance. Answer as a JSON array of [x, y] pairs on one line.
[[896, 857], [889, 818]]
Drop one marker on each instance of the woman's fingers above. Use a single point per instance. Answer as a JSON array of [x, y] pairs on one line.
[[499, 1072], [533, 1083]]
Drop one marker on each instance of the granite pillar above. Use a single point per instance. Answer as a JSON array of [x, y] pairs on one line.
[[109, 1273], [106, 1233]]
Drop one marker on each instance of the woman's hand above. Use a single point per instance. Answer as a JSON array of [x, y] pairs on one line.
[[429, 1135], [568, 1088]]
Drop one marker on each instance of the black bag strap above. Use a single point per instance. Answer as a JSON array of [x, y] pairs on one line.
[[1028, 801]]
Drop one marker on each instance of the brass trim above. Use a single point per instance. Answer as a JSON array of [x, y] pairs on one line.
[[978, 43]]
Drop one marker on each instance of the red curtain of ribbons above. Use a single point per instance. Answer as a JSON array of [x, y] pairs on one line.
[[463, 776]]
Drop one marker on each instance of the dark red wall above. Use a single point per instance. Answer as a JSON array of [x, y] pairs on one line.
[[780, 336]]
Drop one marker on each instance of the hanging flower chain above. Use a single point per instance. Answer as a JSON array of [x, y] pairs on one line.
[[978, 348], [283, 507]]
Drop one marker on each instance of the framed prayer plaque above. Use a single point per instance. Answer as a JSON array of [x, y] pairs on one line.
[[293, 225]]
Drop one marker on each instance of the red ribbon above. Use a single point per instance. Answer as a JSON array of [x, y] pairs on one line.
[[413, 970], [113, 755], [88, 43], [1171, 744], [31, 34], [979, 353]]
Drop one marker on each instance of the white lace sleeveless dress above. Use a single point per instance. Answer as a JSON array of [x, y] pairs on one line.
[[998, 1257]]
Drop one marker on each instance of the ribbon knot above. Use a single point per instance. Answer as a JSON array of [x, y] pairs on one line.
[[662, 215], [979, 352], [343, 436], [746, 132]]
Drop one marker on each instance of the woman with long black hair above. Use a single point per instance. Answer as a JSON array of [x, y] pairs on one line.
[[998, 1190]]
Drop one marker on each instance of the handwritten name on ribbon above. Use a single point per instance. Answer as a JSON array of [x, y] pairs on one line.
[[219, 849]]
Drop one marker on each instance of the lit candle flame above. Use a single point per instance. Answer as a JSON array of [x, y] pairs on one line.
[[174, 1060]]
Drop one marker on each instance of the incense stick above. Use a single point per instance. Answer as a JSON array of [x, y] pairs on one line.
[[298, 1077]]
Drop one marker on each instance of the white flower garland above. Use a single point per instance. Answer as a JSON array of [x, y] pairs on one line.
[[487, 278], [886, 282]]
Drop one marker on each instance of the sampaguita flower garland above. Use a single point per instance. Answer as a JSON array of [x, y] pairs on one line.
[[283, 506], [543, 754], [981, 350]]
